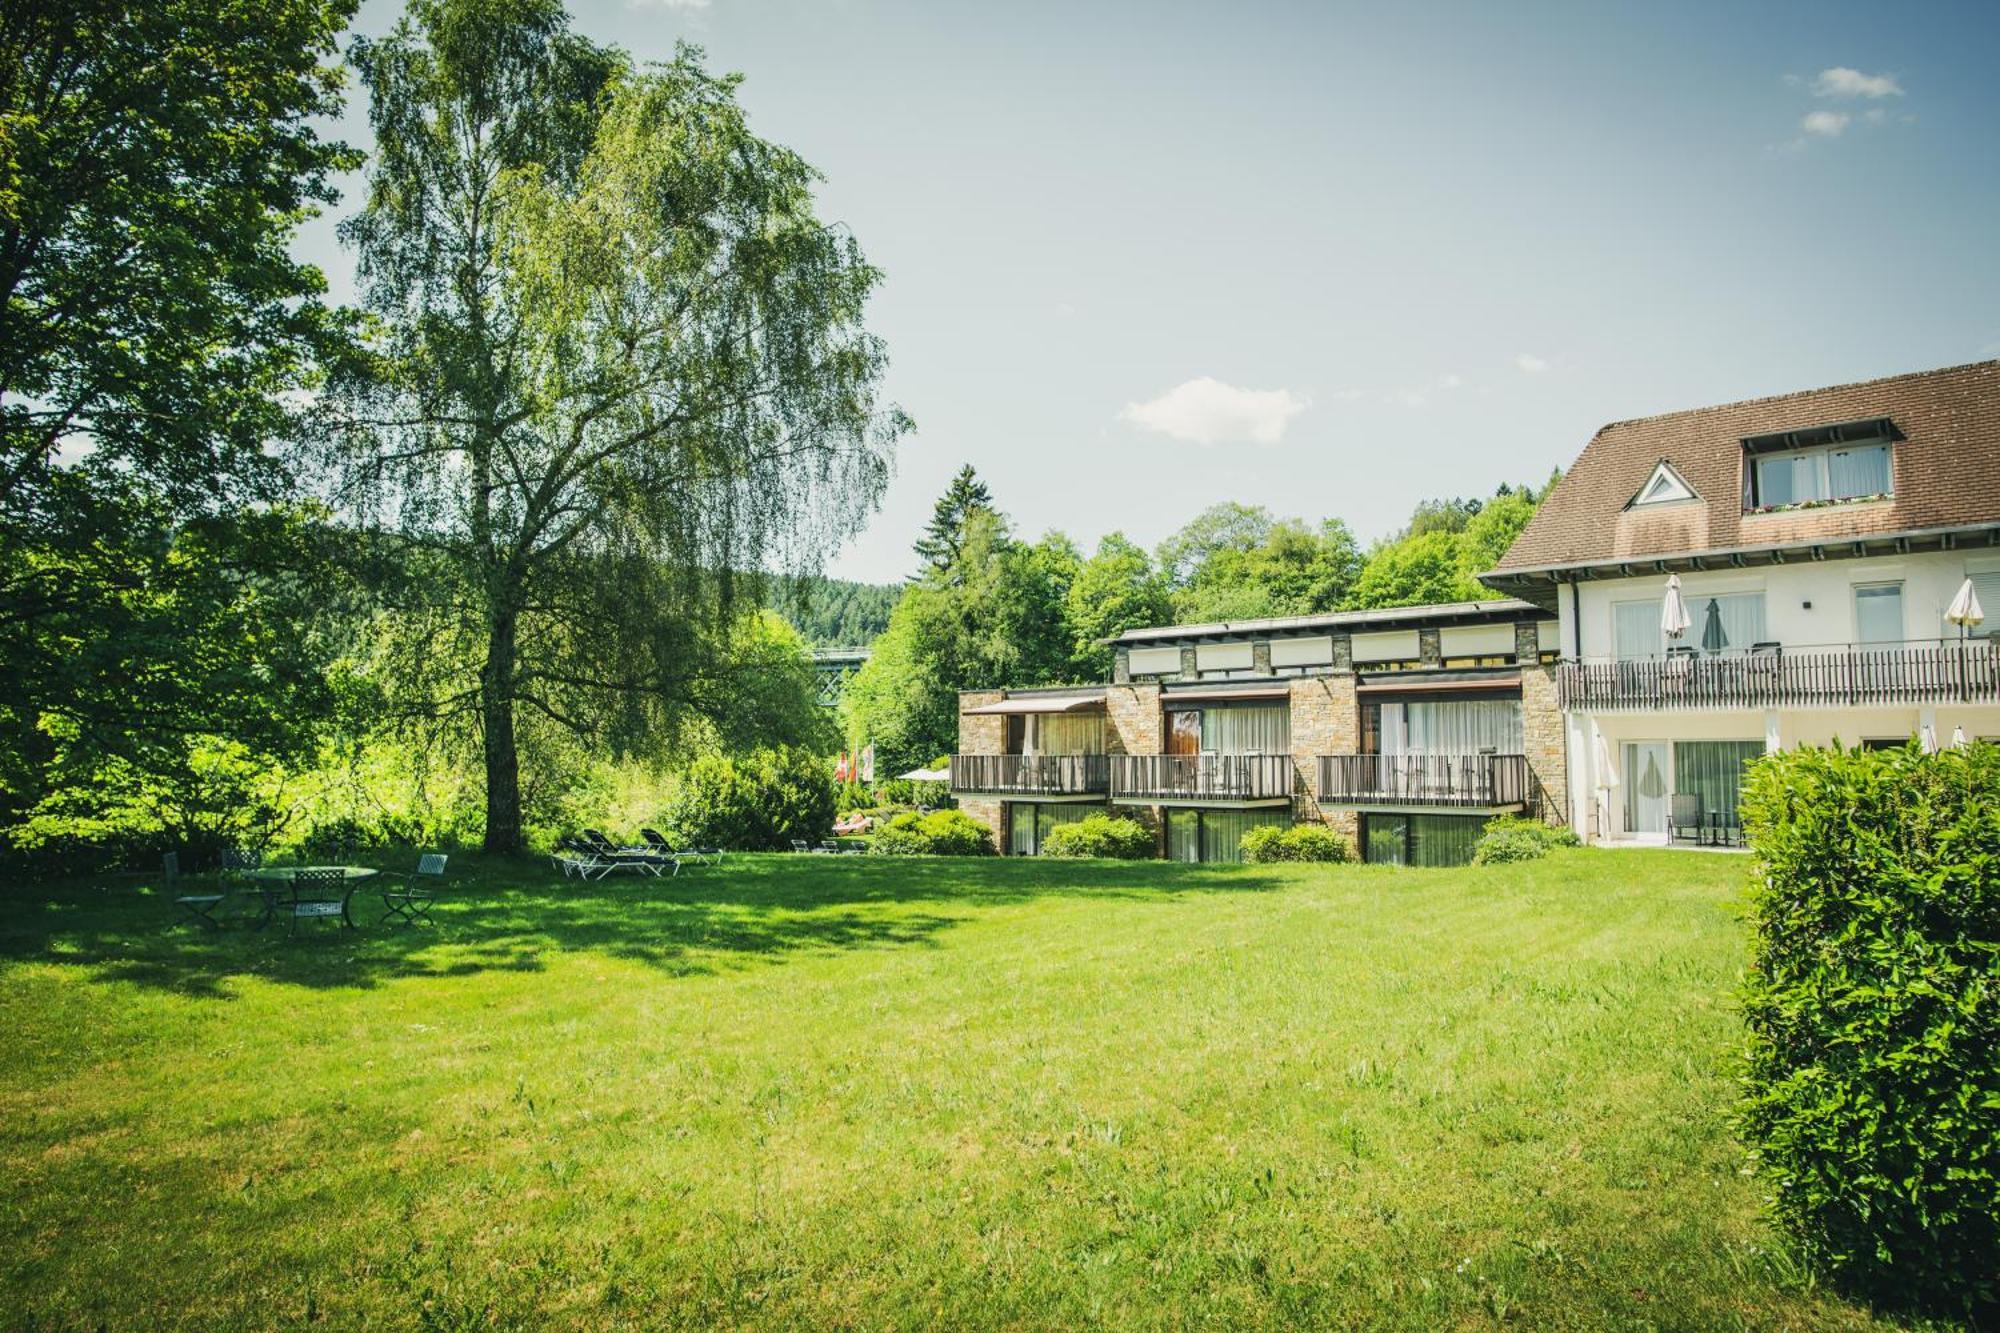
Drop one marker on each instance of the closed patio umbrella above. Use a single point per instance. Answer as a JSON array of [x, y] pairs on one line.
[[1927, 738], [1607, 778], [1958, 738], [1712, 637], [1674, 619], [1965, 610]]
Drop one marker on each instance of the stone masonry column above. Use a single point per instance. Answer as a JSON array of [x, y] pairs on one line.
[[1134, 725], [984, 735], [1324, 721]]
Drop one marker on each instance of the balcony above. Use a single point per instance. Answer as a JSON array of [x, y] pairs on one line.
[[1030, 775], [1202, 779], [1943, 672], [1482, 781]]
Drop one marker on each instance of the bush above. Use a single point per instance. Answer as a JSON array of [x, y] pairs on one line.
[[761, 801], [1110, 836], [1267, 843], [1510, 838], [939, 833], [1873, 1004]]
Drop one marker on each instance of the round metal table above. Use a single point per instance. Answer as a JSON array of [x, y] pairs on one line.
[[272, 880]]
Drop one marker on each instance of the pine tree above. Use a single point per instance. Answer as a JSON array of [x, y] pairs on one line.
[[943, 539]]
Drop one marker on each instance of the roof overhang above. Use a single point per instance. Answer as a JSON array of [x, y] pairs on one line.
[[1195, 698], [1508, 682], [1461, 613], [1045, 703]]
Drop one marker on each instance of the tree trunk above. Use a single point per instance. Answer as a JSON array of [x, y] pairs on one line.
[[503, 765]]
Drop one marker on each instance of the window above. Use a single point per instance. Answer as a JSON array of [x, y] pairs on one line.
[[1829, 472], [1987, 588], [1665, 486], [1712, 772], [1878, 612], [1259, 730], [1215, 835], [1453, 726], [1029, 824], [1739, 624], [1065, 733], [1420, 840]]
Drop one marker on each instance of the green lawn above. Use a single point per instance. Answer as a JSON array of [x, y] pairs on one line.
[[814, 1091]]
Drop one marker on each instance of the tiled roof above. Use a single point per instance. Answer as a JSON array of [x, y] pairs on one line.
[[1946, 461], [1492, 608]]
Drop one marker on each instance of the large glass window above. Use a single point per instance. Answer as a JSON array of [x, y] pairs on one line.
[[1878, 612], [1451, 726], [1839, 472], [1029, 823], [1215, 836], [1066, 733], [1712, 772], [1258, 730], [1635, 629], [1738, 616], [1420, 840]]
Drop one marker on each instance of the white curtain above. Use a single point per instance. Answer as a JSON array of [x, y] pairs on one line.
[[1636, 630], [1863, 470], [1065, 733], [1742, 616], [1247, 730], [1454, 726]]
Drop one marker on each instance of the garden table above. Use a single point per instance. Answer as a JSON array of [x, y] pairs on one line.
[[274, 881]]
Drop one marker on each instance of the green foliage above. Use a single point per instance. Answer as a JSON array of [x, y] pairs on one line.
[[757, 802], [1268, 843], [939, 833], [1110, 836], [621, 360], [1234, 562], [837, 613], [1114, 590], [1509, 838], [942, 545], [1873, 1099], [1447, 545]]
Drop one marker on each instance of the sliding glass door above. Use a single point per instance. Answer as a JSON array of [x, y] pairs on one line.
[[1646, 787]]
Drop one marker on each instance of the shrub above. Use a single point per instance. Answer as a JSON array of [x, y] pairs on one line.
[[1873, 1006], [759, 801], [1110, 836], [1510, 838], [1267, 843], [939, 833]]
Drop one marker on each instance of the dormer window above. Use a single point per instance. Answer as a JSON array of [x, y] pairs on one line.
[[1665, 486], [1825, 465]]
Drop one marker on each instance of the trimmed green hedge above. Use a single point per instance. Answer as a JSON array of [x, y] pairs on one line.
[[1268, 843], [1873, 1003], [939, 833], [1100, 835], [1510, 838]]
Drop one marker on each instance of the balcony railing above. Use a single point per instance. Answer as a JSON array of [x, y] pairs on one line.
[[1935, 673], [1031, 774], [1489, 781], [1202, 777]]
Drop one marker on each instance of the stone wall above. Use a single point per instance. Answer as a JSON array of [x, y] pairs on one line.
[[1134, 725], [984, 735], [991, 813], [1324, 721], [1544, 738]]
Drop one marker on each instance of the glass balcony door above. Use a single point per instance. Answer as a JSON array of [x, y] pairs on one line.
[[1648, 787]]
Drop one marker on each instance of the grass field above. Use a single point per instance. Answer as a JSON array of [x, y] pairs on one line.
[[813, 1091]]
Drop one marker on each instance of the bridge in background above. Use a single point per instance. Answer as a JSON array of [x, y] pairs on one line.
[[836, 666]]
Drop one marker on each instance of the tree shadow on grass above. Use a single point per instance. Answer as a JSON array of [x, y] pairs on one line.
[[513, 915]]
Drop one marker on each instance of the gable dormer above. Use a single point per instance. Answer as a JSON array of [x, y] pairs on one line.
[[1665, 486]]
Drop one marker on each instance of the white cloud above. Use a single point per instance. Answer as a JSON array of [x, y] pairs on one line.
[[1840, 81], [1207, 411], [1530, 364], [1826, 124]]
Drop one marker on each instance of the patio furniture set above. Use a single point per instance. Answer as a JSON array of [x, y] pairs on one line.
[[306, 893], [591, 855]]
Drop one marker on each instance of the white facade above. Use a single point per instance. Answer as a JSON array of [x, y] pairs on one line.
[[1623, 759]]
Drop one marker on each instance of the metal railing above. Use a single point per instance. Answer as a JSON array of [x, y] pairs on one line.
[[1202, 777], [1485, 780], [1775, 678], [1031, 774]]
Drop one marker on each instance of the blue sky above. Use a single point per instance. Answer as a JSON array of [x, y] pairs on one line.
[[1337, 258]]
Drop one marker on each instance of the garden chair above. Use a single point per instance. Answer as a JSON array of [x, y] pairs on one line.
[[410, 899], [319, 893], [801, 845], [200, 907], [1684, 812]]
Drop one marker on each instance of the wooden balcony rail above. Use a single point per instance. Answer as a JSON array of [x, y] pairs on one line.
[[1486, 780], [1935, 673], [1202, 777], [1031, 774]]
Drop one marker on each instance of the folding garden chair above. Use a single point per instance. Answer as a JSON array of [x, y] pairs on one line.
[[410, 899], [319, 893], [200, 907]]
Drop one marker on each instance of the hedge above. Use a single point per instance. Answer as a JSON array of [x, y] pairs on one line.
[[1268, 843], [1873, 1005], [1100, 835], [761, 801], [939, 833], [1510, 838]]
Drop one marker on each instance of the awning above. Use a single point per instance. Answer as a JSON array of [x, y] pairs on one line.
[[1196, 698], [1068, 703], [1491, 685]]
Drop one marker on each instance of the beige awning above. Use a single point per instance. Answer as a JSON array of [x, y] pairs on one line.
[[1072, 703], [1196, 698], [1489, 685]]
